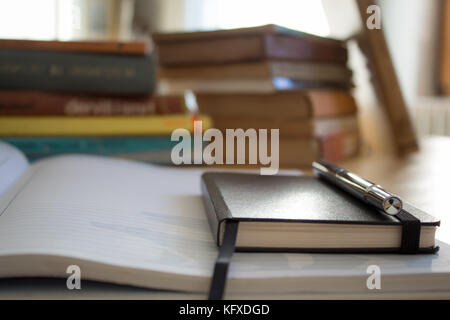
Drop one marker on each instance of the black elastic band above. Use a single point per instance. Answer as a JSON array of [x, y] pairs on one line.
[[226, 251], [410, 233]]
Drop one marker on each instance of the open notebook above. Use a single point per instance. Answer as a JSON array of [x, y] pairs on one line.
[[133, 223]]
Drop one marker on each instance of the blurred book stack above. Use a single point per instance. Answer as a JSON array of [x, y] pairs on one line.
[[85, 97], [268, 77]]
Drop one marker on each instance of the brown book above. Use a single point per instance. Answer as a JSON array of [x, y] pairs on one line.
[[294, 127], [27, 103], [279, 104], [297, 152], [444, 74], [293, 153], [244, 85], [246, 44], [111, 47], [264, 69], [335, 147], [297, 127], [386, 83], [283, 104]]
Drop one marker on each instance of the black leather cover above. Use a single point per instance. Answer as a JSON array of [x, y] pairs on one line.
[[248, 197]]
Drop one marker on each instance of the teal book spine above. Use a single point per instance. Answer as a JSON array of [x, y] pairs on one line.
[[43, 146], [76, 72]]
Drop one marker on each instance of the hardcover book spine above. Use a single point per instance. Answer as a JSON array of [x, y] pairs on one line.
[[41, 146], [97, 126], [215, 207], [312, 50], [297, 127], [76, 72], [27, 103], [444, 70], [277, 105], [132, 48], [213, 51], [387, 86]]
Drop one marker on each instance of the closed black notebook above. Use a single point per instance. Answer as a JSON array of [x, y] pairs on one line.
[[303, 213]]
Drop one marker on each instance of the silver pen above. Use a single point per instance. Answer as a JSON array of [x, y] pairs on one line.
[[362, 189]]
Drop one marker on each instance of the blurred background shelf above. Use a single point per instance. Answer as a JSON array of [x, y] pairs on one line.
[[417, 38]]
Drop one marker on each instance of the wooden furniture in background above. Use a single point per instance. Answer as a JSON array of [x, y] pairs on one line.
[[444, 68], [374, 46]]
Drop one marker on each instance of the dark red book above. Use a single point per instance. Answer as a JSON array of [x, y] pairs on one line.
[[109, 47], [16, 102], [247, 44]]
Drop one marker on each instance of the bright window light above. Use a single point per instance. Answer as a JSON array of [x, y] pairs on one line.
[[304, 15], [28, 19], [69, 17], [39, 19]]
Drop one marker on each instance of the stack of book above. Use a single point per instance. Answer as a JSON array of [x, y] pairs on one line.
[[85, 97], [268, 77]]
